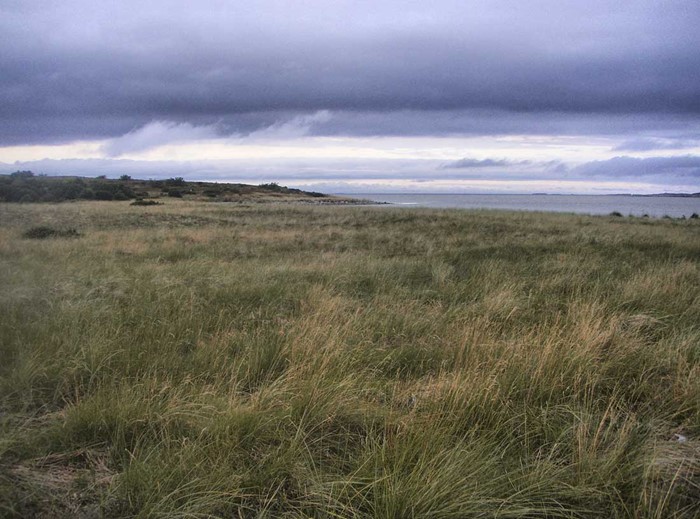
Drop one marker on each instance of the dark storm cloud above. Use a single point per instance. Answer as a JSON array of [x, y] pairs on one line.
[[668, 126], [84, 69]]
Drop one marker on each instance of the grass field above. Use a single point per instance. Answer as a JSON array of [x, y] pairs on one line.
[[218, 360]]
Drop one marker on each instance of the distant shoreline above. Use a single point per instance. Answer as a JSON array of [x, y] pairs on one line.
[[658, 195], [637, 205]]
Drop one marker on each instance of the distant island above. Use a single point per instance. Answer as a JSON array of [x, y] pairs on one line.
[[678, 195]]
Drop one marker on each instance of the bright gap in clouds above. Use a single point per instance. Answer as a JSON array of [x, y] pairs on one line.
[[168, 141], [288, 152]]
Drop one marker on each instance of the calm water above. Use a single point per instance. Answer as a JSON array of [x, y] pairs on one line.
[[588, 204]]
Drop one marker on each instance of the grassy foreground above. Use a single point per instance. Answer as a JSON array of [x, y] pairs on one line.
[[210, 360]]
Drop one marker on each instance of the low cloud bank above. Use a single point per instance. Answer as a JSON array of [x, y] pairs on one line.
[[656, 173]]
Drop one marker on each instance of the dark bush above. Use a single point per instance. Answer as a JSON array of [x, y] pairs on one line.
[[22, 174], [272, 186], [23, 186], [616, 214], [146, 202], [43, 231], [103, 194], [175, 193], [125, 177], [694, 216], [27, 198], [68, 191], [120, 195]]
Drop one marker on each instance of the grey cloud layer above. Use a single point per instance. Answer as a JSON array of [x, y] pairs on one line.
[[82, 69], [684, 167], [660, 171], [650, 144]]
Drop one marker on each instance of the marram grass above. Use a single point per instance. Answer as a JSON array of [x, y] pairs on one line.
[[215, 360]]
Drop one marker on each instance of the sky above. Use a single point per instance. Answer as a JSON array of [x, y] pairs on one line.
[[357, 96]]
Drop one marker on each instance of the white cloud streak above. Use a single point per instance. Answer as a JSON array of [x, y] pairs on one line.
[[156, 134]]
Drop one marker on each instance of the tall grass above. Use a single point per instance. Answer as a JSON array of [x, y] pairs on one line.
[[206, 360]]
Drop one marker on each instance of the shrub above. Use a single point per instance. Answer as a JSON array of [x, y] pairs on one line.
[[27, 198], [120, 195], [694, 216], [22, 174], [145, 202], [44, 231], [103, 194], [272, 186], [617, 214]]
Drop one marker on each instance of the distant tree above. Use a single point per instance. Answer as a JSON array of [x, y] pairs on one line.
[[22, 174], [125, 177], [101, 177], [272, 186], [177, 181]]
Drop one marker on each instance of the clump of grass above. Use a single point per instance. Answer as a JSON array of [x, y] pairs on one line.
[[145, 202], [41, 232]]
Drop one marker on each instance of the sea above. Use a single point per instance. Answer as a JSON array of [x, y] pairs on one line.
[[627, 205]]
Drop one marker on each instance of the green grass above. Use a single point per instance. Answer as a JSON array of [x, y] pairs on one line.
[[208, 360]]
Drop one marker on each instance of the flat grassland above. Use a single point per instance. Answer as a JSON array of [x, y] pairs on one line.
[[215, 360]]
